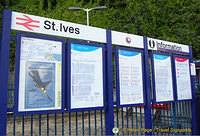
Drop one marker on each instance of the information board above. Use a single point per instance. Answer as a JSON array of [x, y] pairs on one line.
[[39, 74], [129, 81], [183, 81], [86, 76], [162, 78]]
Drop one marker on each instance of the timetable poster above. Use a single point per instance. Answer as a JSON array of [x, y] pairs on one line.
[[183, 78], [163, 78], [86, 76], [40, 75], [130, 77]]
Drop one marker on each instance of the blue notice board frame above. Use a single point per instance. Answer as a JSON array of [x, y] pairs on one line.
[[68, 103], [118, 80], [17, 67], [153, 77], [175, 82]]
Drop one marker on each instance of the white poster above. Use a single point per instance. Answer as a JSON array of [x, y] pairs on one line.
[[193, 69], [86, 76], [40, 75], [183, 78], [130, 77], [163, 78]]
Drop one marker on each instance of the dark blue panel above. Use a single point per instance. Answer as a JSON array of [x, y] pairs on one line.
[[147, 107], [4, 68], [195, 125], [109, 112]]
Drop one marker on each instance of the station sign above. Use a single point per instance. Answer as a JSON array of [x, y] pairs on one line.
[[36, 24], [160, 45]]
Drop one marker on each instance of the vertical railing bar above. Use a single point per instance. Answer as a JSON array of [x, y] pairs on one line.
[[136, 119], [168, 116], [69, 123], [13, 125], [132, 119], [105, 119], [117, 118], [63, 124], [122, 120], [141, 118], [160, 120], [95, 122], [164, 118], [47, 124], [186, 110], [183, 109], [39, 124], [23, 125], [180, 125], [31, 125], [83, 123], [189, 104], [9, 86], [76, 124], [156, 118], [127, 120], [171, 114], [101, 123], [55, 123], [177, 116], [89, 122], [153, 120]]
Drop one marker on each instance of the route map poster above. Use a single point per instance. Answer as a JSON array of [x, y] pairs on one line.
[[40, 75], [163, 78], [183, 81], [130, 78], [86, 76]]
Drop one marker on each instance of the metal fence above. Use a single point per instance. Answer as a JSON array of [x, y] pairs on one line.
[[128, 120], [167, 119], [172, 119]]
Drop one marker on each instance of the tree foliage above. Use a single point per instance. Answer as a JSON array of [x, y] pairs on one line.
[[176, 21]]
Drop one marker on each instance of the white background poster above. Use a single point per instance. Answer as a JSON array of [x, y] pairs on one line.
[[193, 69], [163, 78], [183, 78], [130, 77], [86, 76], [40, 75]]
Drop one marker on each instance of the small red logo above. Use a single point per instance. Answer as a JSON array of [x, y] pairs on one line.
[[128, 40], [28, 22]]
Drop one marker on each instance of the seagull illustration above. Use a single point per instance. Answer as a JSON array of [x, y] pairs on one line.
[[34, 74]]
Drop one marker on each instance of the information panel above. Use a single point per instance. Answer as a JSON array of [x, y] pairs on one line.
[[183, 81], [39, 79], [129, 69], [86, 77], [162, 75]]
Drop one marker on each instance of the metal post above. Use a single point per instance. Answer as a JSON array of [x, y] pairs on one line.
[[4, 68], [87, 10], [109, 112], [195, 127], [147, 107]]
